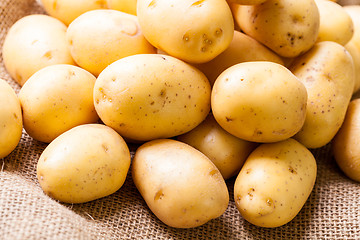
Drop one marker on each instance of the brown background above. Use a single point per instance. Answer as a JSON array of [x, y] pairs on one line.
[[331, 212]]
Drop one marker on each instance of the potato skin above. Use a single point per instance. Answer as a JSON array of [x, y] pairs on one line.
[[10, 119], [32, 43], [327, 71], [87, 162], [206, 28], [181, 186], [242, 48], [288, 27], [226, 151], [274, 183], [67, 10], [346, 143], [149, 96], [113, 35], [127, 6], [259, 101], [335, 23], [55, 99]]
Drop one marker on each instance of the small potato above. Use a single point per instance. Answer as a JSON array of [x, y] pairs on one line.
[[226, 151], [191, 30], [55, 99], [127, 6], [67, 10], [327, 71], [149, 96], [100, 37], [181, 186], [288, 27], [335, 23], [32, 43], [242, 49], [87, 162], [259, 102], [346, 143], [10, 119], [274, 183]]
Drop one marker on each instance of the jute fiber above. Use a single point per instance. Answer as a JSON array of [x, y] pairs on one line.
[[331, 212]]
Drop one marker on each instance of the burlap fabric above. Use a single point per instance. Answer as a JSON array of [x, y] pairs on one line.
[[331, 212]]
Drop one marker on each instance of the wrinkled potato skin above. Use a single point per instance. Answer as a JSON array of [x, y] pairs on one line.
[[327, 71], [127, 6], [113, 35], [274, 183], [10, 119], [181, 186], [164, 97], [335, 23], [259, 102], [289, 28], [206, 28], [226, 151], [87, 162], [32, 43], [67, 10], [55, 99], [346, 143], [242, 49]]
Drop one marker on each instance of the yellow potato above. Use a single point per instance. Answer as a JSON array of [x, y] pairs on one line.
[[226, 151], [327, 71], [67, 10], [127, 6], [259, 101], [241, 49], [195, 31], [288, 27], [274, 183], [181, 186], [87, 162], [10, 119], [100, 37], [335, 23], [149, 96], [32, 43], [354, 51], [346, 143], [55, 99]]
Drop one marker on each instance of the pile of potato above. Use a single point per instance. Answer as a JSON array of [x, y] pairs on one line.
[[208, 89]]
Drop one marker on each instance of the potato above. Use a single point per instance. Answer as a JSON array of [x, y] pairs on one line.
[[327, 71], [246, 2], [226, 151], [354, 13], [195, 31], [242, 49], [87, 162], [274, 183], [149, 96], [346, 143], [127, 6], [259, 101], [335, 23], [55, 99], [10, 119], [32, 43], [100, 37], [354, 51], [67, 10], [181, 186], [288, 27]]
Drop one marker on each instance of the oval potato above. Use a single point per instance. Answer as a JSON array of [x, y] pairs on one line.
[[181, 186], [87, 162], [274, 183], [11, 124], [149, 96]]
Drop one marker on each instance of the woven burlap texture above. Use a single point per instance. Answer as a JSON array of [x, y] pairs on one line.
[[331, 212]]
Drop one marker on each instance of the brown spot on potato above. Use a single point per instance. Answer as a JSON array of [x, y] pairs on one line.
[[213, 172], [250, 192], [159, 195], [198, 3]]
